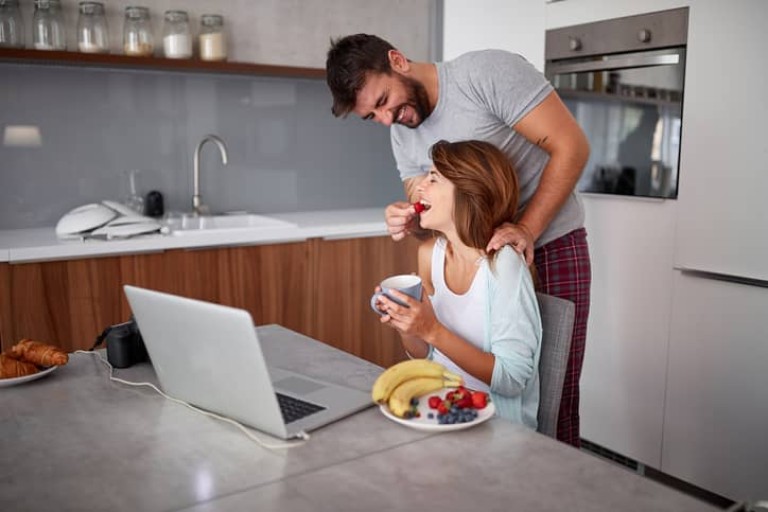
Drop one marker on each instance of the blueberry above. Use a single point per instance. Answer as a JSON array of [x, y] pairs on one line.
[[414, 401], [430, 416]]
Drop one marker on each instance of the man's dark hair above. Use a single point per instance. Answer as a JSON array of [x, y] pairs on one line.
[[349, 61]]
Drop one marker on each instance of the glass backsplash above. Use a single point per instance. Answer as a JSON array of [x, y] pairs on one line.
[[71, 136]]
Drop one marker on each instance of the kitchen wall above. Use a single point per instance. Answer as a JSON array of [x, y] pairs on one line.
[[286, 151], [512, 25]]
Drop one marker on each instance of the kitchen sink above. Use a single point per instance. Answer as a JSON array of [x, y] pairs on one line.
[[191, 225]]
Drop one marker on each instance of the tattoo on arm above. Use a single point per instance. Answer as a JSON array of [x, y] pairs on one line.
[[542, 140]]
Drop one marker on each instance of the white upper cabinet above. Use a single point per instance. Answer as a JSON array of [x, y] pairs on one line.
[[723, 212]]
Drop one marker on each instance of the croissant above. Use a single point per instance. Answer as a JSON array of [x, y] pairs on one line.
[[39, 353], [10, 367]]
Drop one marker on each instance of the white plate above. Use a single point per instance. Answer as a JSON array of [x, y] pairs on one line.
[[21, 380], [431, 425]]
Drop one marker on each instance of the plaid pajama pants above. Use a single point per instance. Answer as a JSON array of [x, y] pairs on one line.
[[564, 271]]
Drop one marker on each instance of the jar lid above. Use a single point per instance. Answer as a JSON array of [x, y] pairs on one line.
[[176, 15], [211, 19], [91, 7], [135, 11]]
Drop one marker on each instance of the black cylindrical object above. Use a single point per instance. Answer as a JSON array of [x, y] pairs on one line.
[[153, 205]]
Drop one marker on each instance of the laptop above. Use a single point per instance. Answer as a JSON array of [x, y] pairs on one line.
[[209, 355]]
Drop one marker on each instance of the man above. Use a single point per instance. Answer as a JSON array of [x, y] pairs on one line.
[[500, 98]]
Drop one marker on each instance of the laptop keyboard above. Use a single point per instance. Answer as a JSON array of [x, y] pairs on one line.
[[294, 409]]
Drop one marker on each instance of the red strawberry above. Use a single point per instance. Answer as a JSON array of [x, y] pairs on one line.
[[434, 401], [444, 407], [419, 207], [479, 400], [461, 393], [464, 402]]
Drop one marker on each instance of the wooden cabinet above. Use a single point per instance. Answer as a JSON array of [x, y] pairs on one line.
[[70, 302], [5, 312], [347, 271], [318, 287], [269, 281]]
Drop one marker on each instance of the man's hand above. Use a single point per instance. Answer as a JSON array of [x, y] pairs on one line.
[[516, 235], [401, 219]]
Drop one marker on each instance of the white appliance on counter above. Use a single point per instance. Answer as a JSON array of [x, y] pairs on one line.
[[106, 220]]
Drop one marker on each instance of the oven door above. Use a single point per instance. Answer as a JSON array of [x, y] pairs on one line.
[[630, 107]]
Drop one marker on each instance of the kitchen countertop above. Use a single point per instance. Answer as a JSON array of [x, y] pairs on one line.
[[75, 441], [41, 244]]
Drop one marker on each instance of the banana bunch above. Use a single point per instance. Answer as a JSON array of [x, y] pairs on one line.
[[402, 382]]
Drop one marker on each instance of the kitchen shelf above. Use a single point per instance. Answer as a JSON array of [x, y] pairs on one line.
[[114, 61]]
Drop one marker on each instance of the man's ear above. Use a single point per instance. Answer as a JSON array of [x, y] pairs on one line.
[[398, 62]]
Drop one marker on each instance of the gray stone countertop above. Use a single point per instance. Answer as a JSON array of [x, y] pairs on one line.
[[73, 440]]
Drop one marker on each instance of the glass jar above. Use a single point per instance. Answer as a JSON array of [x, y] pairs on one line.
[[177, 40], [138, 40], [11, 25], [213, 45], [92, 32], [48, 26]]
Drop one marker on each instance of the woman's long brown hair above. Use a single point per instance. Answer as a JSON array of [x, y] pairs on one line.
[[486, 191]]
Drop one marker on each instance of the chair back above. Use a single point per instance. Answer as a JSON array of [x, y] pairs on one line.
[[557, 316]]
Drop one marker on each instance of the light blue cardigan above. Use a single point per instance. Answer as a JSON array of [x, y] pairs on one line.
[[513, 335]]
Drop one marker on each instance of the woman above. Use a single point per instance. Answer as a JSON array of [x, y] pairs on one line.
[[478, 315]]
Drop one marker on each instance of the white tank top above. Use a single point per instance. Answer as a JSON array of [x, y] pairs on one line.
[[463, 315]]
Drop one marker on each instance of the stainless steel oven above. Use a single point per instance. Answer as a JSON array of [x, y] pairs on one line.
[[623, 81]]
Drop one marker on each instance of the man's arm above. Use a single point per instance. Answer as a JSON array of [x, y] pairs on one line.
[[550, 126]]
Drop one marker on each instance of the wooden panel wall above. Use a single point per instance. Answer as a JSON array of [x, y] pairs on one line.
[[347, 273], [320, 288], [5, 306], [68, 303]]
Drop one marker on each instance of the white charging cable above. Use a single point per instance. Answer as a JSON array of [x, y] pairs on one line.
[[291, 444]]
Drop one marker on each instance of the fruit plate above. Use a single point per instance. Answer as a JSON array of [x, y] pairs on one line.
[[13, 381], [423, 422]]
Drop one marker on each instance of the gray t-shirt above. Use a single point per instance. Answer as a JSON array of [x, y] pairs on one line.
[[482, 95]]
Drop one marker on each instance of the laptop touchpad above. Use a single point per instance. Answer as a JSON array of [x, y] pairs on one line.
[[297, 385]]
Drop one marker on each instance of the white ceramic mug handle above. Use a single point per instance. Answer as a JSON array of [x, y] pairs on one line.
[[374, 298]]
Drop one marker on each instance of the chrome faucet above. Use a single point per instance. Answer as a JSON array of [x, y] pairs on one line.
[[197, 202]]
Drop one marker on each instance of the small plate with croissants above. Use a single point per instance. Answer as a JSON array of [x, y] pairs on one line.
[[29, 360]]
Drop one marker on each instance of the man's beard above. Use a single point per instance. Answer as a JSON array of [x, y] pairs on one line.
[[418, 99]]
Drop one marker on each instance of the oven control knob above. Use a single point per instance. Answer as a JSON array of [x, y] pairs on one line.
[[574, 43], [644, 36]]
